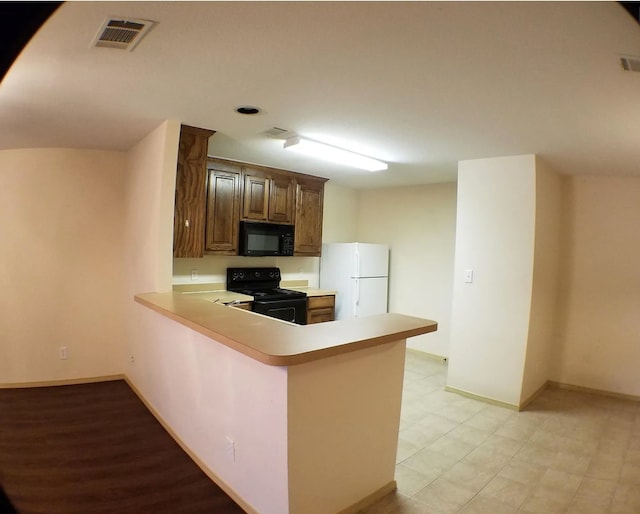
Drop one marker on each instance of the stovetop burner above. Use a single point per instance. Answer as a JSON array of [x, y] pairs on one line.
[[261, 283], [272, 293]]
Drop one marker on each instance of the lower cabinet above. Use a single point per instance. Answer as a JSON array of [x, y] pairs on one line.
[[320, 309]]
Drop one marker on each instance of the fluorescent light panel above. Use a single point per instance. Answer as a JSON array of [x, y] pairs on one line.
[[333, 154]]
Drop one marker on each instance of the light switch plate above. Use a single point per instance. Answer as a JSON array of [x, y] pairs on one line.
[[468, 276]]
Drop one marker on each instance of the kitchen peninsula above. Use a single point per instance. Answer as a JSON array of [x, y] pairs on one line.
[[290, 419]]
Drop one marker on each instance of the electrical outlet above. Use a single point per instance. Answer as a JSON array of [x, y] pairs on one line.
[[194, 274], [63, 352], [132, 359], [230, 448]]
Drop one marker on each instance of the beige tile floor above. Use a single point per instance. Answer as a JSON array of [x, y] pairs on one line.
[[568, 452]]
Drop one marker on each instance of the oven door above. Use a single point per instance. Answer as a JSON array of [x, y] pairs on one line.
[[292, 310]]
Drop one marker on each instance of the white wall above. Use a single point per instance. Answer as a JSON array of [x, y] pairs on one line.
[[61, 271], [419, 225], [543, 340], [495, 235], [600, 303]]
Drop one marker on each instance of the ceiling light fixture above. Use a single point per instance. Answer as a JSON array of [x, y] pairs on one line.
[[247, 109], [333, 154]]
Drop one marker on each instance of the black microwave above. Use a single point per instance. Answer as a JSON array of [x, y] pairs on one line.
[[265, 239]]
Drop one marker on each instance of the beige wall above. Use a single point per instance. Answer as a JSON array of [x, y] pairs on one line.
[[213, 268], [495, 236], [149, 199], [543, 340], [340, 217], [61, 277], [187, 378], [418, 223], [600, 300], [340, 409]]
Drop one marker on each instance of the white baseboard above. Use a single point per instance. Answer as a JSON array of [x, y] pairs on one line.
[[69, 381], [432, 356], [481, 398]]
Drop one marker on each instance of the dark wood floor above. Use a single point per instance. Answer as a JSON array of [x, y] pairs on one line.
[[95, 448]]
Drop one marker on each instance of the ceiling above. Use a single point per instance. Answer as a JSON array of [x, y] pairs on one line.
[[420, 85]]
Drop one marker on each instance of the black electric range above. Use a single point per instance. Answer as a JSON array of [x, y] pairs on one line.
[[268, 297]]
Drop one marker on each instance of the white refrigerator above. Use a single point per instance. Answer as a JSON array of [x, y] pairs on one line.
[[359, 273]]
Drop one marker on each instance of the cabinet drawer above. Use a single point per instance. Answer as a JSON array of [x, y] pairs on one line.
[[320, 302], [319, 315]]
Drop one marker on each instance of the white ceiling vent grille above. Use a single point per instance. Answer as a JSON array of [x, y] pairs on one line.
[[630, 63], [278, 133], [121, 33]]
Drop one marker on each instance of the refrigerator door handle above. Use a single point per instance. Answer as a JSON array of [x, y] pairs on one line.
[[356, 298], [356, 264]]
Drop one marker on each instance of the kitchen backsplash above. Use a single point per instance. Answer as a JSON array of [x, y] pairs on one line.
[[213, 269]]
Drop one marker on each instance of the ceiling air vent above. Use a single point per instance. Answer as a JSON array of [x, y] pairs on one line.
[[121, 33], [278, 133], [630, 63]]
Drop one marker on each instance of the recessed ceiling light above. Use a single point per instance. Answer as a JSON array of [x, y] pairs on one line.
[[247, 109]]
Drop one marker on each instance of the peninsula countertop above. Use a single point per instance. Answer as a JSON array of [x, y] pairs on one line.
[[279, 343], [219, 289]]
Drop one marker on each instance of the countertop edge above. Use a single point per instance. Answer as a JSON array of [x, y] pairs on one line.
[[312, 342]]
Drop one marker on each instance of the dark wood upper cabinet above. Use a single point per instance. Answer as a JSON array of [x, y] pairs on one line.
[[255, 204], [281, 200], [223, 212], [191, 191], [268, 195], [308, 220], [213, 195]]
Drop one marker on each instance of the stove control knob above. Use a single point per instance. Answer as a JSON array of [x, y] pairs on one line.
[[241, 275]]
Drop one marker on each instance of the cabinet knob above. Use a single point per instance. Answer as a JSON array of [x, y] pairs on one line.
[[186, 223]]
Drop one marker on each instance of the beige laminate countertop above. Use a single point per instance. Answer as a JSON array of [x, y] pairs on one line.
[[228, 296], [275, 342], [312, 291]]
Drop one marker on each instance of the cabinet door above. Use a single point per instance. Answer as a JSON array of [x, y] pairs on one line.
[[320, 309], [308, 222], [281, 199], [223, 212], [255, 198], [191, 190], [319, 316]]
